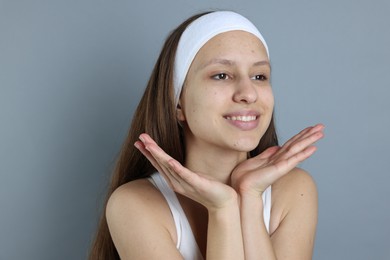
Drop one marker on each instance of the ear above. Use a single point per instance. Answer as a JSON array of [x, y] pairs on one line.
[[180, 113]]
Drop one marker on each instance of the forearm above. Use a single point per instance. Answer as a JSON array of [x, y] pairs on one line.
[[257, 243], [224, 236]]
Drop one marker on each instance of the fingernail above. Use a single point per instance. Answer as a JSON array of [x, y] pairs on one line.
[[317, 126], [141, 138], [137, 145]]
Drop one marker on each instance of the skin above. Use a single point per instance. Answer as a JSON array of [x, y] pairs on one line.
[[218, 187]]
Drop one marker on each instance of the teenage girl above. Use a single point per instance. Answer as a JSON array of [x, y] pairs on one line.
[[201, 175]]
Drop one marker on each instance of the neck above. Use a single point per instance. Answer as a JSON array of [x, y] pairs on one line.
[[212, 161]]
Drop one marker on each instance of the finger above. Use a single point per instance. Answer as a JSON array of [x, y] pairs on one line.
[[304, 133], [297, 136], [146, 139], [283, 167], [159, 155], [303, 155], [268, 152], [185, 174], [276, 170], [181, 179], [258, 160], [165, 162], [140, 146], [288, 164], [190, 181], [158, 158], [307, 139], [300, 146], [162, 159], [314, 129]]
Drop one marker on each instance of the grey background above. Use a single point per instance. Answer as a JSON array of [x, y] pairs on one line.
[[72, 72]]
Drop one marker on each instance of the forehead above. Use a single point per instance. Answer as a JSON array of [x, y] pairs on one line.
[[232, 44]]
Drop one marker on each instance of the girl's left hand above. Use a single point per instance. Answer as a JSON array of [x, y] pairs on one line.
[[254, 175]]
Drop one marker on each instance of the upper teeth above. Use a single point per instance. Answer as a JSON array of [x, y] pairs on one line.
[[241, 118]]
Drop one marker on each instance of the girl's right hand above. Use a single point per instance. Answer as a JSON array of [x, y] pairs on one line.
[[203, 189]]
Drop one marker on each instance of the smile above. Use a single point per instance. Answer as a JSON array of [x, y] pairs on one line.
[[241, 118], [244, 121]]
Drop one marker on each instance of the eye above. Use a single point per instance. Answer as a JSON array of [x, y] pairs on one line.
[[221, 76], [260, 77]]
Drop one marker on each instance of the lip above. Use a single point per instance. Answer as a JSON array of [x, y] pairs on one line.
[[243, 120]]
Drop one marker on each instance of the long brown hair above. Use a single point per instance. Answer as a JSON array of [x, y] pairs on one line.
[[155, 115]]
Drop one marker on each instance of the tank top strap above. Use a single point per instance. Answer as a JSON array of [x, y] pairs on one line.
[[186, 242], [266, 196], [172, 201]]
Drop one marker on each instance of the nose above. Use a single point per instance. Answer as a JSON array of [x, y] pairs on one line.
[[245, 91]]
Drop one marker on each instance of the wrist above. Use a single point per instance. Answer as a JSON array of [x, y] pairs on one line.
[[226, 217], [251, 200], [227, 207], [249, 193]]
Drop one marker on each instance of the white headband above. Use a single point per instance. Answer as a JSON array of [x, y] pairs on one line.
[[198, 33]]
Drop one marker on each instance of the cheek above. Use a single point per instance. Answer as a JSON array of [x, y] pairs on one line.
[[193, 109], [271, 101], [268, 99], [203, 100]]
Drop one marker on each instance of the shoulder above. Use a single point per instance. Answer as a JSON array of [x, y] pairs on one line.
[[297, 183], [132, 202], [294, 215], [294, 194], [136, 201], [133, 194], [137, 214]]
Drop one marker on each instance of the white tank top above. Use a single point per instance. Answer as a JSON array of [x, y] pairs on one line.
[[186, 243]]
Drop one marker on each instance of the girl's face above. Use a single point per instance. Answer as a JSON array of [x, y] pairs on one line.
[[227, 100]]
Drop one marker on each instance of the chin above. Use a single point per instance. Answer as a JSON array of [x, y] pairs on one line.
[[246, 145]]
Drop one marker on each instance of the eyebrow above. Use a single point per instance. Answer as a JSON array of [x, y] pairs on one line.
[[231, 63]]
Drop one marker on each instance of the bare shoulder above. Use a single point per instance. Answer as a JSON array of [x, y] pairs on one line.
[[296, 191], [294, 215], [138, 217], [298, 183], [134, 194]]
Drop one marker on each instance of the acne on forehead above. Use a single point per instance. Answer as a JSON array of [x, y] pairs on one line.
[[227, 60], [233, 40]]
